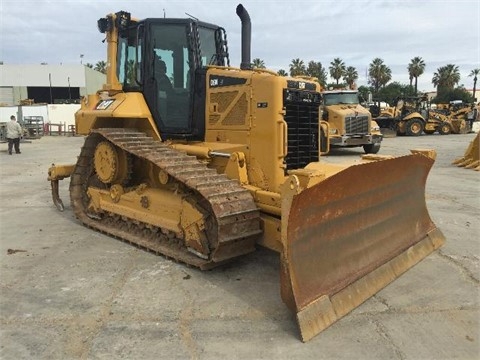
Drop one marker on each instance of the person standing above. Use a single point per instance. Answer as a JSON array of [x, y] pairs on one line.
[[471, 117], [14, 133]]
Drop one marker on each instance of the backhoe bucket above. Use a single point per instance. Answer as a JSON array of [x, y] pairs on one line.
[[351, 234], [471, 158]]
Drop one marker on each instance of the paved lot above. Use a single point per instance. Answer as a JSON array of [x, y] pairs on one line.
[[72, 293]]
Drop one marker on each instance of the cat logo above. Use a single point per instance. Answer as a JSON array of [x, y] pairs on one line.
[[301, 85]]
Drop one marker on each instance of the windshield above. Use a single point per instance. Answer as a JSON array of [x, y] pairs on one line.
[[128, 58], [207, 45], [174, 51], [340, 98]]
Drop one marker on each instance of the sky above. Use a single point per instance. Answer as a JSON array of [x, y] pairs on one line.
[[441, 32]]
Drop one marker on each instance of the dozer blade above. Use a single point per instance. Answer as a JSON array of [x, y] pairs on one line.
[[471, 158], [352, 234]]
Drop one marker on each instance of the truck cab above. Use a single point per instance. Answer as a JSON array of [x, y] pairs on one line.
[[350, 124]]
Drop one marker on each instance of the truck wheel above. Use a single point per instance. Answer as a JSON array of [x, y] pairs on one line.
[[371, 148], [445, 129], [414, 127], [323, 142]]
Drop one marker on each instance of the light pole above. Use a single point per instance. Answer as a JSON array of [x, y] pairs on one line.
[[50, 81], [81, 58]]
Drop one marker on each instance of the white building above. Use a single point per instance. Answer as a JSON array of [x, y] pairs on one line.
[[45, 96], [50, 84]]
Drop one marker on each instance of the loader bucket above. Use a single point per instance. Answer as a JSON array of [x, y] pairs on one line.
[[350, 235], [471, 158]]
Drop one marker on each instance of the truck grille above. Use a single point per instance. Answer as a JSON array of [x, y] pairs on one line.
[[356, 125], [302, 120]]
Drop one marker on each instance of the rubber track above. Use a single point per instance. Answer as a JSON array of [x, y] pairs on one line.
[[235, 214]]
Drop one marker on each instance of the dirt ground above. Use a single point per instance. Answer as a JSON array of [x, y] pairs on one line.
[[67, 292]]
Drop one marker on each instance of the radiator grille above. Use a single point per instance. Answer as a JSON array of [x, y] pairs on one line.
[[302, 121], [356, 125]]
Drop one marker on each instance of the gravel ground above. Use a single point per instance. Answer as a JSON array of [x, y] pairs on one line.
[[68, 292]]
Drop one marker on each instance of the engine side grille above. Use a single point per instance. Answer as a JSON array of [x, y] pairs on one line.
[[302, 121], [356, 125]]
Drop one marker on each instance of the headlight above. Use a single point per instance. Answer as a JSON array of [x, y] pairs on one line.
[[375, 128]]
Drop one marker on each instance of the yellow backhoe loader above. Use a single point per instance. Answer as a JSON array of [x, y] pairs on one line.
[[401, 119], [444, 124], [192, 158]]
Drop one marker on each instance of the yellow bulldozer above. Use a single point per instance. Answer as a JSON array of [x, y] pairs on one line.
[[201, 161]]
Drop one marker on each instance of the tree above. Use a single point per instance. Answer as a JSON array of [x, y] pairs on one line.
[[282, 72], [446, 77], [350, 76], [258, 63], [131, 72], [391, 92], [101, 66], [297, 67], [475, 73], [364, 92], [415, 69], [447, 95], [379, 73], [316, 70], [89, 65], [337, 69]]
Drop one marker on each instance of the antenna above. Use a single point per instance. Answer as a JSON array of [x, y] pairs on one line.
[[191, 16]]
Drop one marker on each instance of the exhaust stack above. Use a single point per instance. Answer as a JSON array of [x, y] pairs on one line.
[[246, 37]]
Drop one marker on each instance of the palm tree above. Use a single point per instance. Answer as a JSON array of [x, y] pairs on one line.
[[89, 65], [415, 69], [258, 63], [282, 72], [350, 76], [316, 69], [379, 73], [101, 66], [446, 77], [475, 73], [131, 72], [297, 67], [337, 68]]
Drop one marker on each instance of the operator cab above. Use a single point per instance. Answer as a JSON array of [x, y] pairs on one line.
[[166, 60]]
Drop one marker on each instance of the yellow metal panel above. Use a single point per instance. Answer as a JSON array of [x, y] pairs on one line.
[[125, 110]]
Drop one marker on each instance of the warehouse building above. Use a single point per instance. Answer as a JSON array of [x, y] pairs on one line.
[[47, 84], [44, 98]]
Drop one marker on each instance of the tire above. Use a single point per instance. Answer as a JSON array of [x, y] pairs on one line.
[[323, 142], [400, 127], [371, 148], [414, 127], [444, 129]]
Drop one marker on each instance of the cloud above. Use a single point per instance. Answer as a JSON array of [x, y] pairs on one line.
[[357, 31]]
